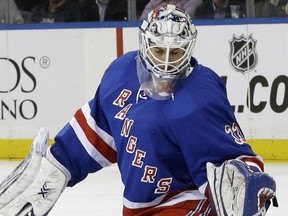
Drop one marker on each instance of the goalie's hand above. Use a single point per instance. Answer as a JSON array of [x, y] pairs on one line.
[[237, 191], [35, 184]]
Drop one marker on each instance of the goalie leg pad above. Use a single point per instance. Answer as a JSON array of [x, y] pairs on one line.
[[237, 191], [25, 172], [35, 185], [41, 194]]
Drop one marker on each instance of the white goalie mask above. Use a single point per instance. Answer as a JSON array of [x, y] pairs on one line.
[[167, 39]]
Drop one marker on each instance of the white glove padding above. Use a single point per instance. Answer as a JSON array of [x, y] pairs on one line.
[[35, 185], [237, 191]]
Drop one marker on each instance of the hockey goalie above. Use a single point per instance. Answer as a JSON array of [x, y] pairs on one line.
[[166, 121]]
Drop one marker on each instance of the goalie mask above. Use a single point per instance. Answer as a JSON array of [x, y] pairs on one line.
[[167, 39]]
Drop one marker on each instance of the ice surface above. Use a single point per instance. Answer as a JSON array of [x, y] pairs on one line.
[[101, 193]]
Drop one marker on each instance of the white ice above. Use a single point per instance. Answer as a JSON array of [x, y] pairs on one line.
[[101, 193]]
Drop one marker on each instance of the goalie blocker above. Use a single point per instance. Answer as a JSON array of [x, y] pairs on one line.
[[238, 191], [35, 184]]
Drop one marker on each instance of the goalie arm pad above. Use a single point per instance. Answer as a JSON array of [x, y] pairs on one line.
[[36, 184], [236, 190]]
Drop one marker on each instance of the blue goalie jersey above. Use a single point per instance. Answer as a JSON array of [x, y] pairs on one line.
[[161, 146]]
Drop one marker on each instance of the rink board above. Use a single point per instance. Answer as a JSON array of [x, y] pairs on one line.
[[48, 71], [267, 149]]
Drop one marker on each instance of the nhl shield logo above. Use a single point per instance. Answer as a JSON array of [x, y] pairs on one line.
[[243, 56]]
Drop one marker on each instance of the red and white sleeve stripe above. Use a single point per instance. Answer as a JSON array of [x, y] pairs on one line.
[[98, 143]]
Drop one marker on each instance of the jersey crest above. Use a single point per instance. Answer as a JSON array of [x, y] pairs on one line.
[[150, 172]]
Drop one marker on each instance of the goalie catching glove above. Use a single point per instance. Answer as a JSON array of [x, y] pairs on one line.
[[35, 184], [237, 191]]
